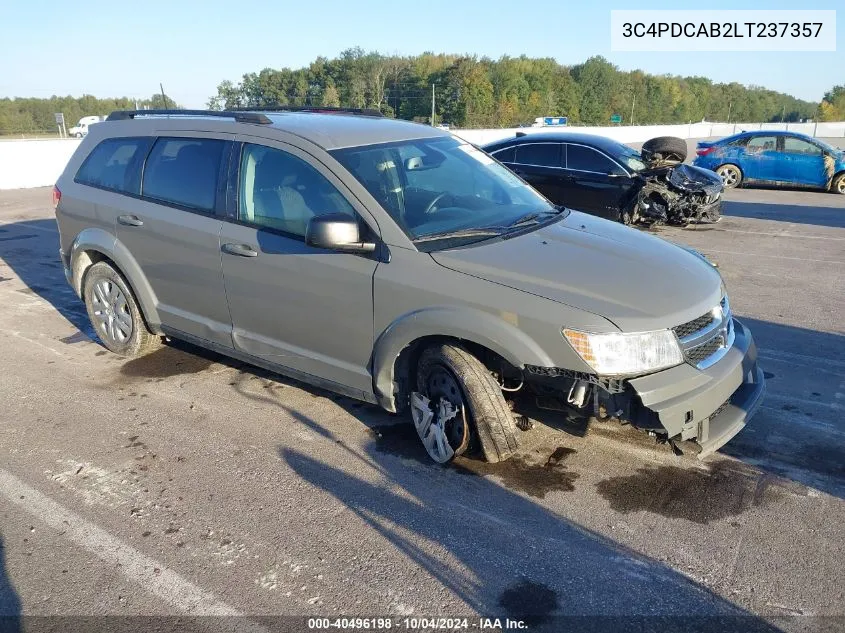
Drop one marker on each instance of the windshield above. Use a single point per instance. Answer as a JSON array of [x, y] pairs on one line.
[[631, 158], [441, 186]]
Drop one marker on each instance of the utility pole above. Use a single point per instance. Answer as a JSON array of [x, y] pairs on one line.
[[432, 105], [163, 98], [730, 105], [783, 114], [633, 101]]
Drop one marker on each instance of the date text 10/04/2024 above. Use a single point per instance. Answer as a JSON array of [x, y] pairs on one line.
[[416, 624]]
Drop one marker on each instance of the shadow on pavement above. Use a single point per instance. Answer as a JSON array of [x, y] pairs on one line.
[[506, 556], [10, 604], [831, 216]]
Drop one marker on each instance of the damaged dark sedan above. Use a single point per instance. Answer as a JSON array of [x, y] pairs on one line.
[[611, 180]]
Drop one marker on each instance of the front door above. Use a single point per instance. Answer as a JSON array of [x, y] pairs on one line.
[[305, 308], [596, 183], [173, 234], [803, 163]]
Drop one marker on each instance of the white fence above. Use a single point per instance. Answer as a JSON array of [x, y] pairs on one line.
[[38, 163], [33, 163], [639, 133]]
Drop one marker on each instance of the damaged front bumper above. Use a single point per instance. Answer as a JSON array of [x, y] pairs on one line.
[[709, 406]]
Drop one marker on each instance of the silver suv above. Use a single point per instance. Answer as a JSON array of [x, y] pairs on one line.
[[397, 264]]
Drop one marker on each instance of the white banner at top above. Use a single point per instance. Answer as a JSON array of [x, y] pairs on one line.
[[723, 30]]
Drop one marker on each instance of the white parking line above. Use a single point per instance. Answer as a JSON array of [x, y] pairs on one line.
[[790, 235], [800, 359], [30, 226], [798, 259], [153, 576]]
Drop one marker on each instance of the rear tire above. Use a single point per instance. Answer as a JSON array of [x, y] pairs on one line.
[[489, 416], [114, 313], [731, 175]]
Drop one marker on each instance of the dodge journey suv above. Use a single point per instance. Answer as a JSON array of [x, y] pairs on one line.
[[397, 264]]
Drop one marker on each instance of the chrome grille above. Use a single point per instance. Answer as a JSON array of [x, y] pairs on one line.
[[708, 338], [691, 327]]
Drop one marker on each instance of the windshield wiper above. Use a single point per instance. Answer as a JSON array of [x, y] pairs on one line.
[[488, 231], [535, 217]]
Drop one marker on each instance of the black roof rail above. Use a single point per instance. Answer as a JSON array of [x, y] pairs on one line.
[[244, 116], [312, 108]]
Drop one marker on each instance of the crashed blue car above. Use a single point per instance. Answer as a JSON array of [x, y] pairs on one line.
[[773, 157]]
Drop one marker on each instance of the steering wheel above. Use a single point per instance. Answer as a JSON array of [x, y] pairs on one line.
[[433, 204]]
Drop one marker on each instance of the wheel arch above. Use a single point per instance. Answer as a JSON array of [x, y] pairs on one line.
[[95, 245], [483, 334]]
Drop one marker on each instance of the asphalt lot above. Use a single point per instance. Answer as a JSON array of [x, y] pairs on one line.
[[183, 483]]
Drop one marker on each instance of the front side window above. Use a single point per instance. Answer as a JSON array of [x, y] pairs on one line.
[[757, 144], [582, 158], [541, 154], [281, 191], [184, 171], [113, 164], [440, 185], [792, 145]]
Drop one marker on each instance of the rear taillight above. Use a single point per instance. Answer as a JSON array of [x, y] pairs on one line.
[[703, 151], [57, 197]]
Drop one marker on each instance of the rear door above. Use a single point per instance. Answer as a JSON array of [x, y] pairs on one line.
[[596, 183], [540, 165], [172, 230], [295, 305], [802, 163], [761, 158]]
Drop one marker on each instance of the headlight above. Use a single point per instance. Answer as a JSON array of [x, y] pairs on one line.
[[615, 353]]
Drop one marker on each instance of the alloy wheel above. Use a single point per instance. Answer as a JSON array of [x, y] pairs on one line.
[[112, 317]]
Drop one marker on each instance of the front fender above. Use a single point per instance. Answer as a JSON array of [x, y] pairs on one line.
[[103, 242], [469, 324]]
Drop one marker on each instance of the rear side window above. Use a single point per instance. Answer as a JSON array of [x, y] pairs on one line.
[[583, 158], [757, 144], [542, 154], [184, 171], [114, 164], [507, 155]]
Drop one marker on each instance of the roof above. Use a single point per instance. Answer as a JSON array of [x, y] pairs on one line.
[[769, 133], [328, 130], [593, 140], [334, 131]]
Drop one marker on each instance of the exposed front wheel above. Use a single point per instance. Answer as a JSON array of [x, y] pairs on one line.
[[457, 400], [114, 313], [838, 184], [731, 176]]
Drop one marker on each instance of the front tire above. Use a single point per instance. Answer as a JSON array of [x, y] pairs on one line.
[[451, 376], [731, 175], [838, 184], [114, 313]]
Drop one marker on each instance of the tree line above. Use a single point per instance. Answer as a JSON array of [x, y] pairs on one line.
[[30, 115], [468, 92], [479, 92]]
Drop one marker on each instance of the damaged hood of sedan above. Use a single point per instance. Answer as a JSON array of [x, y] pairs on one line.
[[695, 180], [637, 281]]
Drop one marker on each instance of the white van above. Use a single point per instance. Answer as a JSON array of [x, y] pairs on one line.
[[81, 129]]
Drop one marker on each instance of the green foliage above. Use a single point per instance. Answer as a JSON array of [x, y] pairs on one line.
[[480, 92], [832, 107], [29, 116]]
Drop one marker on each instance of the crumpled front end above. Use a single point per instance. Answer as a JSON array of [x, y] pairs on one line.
[[679, 195], [707, 399]]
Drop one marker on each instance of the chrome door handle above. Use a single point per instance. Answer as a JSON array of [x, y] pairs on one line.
[[130, 220], [241, 250]]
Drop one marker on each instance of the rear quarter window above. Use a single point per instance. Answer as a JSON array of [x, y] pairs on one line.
[[114, 164], [184, 171]]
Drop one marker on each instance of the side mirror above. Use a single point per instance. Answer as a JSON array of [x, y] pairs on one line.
[[337, 232]]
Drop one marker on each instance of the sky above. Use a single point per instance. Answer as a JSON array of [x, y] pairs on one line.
[[125, 49]]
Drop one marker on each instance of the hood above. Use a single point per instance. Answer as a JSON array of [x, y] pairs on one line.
[[637, 281], [695, 179]]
